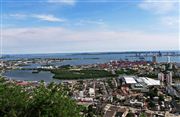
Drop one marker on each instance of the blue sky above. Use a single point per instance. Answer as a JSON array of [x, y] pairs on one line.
[[61, 26]]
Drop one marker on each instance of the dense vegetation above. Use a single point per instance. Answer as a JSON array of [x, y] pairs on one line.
[[150, 75], [42, 101], [80, 74]]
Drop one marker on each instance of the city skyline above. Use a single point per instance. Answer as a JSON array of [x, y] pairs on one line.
[[64, 26]]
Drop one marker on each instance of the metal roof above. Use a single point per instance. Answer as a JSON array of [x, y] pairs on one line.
[[150, 81], [129, 80]]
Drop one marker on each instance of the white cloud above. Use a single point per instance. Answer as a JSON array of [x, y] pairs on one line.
[[166, 11], [171, 21], [67, 2], [38, 40], [85, 22], [159, 6], [44, 17], [49, 18], [18, 16], [82, 22]]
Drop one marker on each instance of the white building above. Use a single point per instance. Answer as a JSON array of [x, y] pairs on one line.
[[81, 94], [128, 79], [1, 63], [161, 78], [132, 80], [150, 81], [169, 78], [168, 59], [91, 92]]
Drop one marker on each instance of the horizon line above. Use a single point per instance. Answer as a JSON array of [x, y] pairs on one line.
[[92, 52]]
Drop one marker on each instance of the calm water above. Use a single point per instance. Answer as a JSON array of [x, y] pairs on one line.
[[27, 75], [86, 58], [80, 60]]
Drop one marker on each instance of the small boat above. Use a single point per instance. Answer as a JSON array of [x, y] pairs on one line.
[[35, 71]]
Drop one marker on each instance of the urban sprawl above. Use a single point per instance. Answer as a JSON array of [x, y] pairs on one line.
[[119, 88]]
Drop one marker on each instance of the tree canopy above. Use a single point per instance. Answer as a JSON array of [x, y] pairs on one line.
[[42, 101]]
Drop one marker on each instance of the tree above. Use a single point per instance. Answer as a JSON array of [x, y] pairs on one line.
[[143, 115], [161, 98], [43, 101], [130, 115], [151, 104]]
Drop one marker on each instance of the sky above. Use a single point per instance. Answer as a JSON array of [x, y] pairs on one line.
[[67, 26]]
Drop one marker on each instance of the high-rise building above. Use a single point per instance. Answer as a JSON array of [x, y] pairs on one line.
[[161, 78], [168, 59], [169, 78], [163, 67], [170, 66], [1, 63]]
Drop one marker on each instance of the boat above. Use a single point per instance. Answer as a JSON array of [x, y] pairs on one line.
[[35, 71]]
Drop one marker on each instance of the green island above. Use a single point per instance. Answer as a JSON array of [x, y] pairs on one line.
[[80, 74]]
